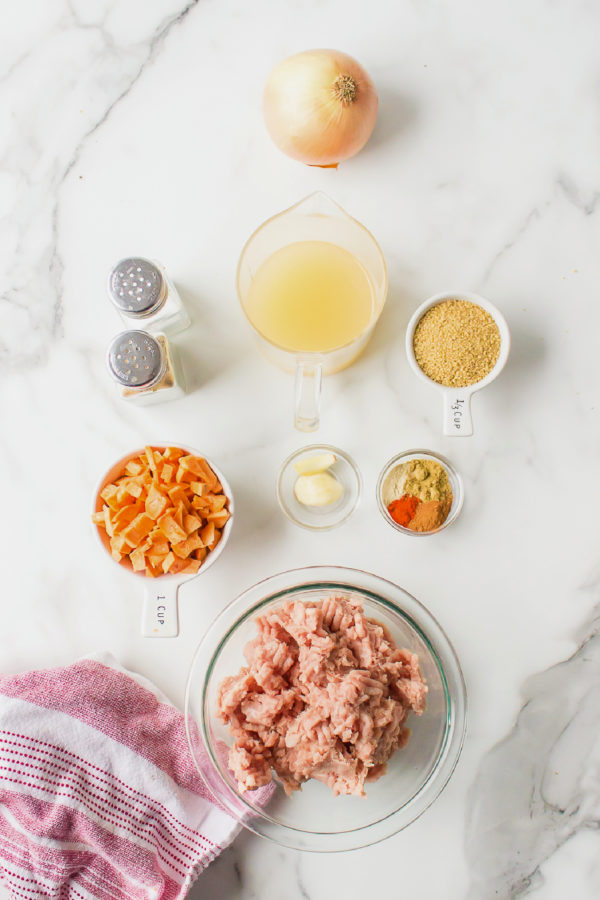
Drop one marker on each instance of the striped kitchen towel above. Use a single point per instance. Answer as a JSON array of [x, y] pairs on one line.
[[99, 795]]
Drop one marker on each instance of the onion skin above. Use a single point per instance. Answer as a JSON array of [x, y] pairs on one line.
[[320, 107]]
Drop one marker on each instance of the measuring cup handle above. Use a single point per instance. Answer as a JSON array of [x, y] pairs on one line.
[[160, 616], [309, 375], [457, 413]]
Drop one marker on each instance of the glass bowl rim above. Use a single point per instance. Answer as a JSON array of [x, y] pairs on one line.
[[446, 661], [457, 501]]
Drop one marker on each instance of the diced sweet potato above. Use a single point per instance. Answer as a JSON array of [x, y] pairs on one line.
[[167, 472], [159, 544], [138, 560], [109, 495], [118, 548], [134, 467], [219, 518], [151, 461], [178, 514], [179, 566], [177, 494], [168, 563], [134, 488], [125, 516], [124, 497], [191, 523], [183, 476], [215, 540], [135, 533], [107, 523], [216, 502], [208, 534], [171, 530], [156, 559], [185, 548], [156, 502], [119, 543], [173, 453], [198, 466]]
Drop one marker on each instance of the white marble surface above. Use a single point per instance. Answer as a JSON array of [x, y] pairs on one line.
[[136, 128]]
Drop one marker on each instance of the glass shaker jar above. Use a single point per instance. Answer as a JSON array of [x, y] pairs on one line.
[[144, 295], [145, 367]]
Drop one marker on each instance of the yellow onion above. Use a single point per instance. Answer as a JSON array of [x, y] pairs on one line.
[[320, 106]]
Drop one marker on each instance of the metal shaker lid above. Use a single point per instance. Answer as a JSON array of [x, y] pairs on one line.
[[137, 287], [135, 359]]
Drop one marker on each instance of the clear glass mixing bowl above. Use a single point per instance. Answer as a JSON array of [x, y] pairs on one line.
[[313, 819]]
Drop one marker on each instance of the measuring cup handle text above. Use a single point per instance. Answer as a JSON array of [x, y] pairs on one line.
[[160, 617], [457, 414]]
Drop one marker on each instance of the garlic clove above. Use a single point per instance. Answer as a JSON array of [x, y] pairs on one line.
[[312, 465], [321, 489]]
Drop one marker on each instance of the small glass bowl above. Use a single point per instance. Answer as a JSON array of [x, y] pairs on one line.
[[455, 484], [319, 518]]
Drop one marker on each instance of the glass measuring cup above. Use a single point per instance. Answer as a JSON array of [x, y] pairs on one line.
[[315, 218]]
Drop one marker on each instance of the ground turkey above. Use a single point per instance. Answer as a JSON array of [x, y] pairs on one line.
[[326, 694]]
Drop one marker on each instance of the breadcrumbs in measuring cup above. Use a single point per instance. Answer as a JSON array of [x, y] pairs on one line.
[[456, 343]]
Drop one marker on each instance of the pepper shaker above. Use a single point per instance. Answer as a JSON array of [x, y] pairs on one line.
[[144, 367], [142, 293]]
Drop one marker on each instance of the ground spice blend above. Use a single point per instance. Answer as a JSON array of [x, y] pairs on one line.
[[417, 494]]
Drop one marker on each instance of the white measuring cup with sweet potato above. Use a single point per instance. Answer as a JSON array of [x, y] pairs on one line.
[[457, 421], [164, 514]]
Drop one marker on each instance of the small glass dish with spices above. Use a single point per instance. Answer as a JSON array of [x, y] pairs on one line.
[[419, 492]]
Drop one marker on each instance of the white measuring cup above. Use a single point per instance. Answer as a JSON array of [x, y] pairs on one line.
[[160, 611], [457, 421]]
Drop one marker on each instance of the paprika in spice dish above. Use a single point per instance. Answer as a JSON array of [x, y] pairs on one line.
[[403, 510]]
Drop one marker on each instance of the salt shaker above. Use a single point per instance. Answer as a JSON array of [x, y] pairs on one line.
[[144, 295], [145, 367]]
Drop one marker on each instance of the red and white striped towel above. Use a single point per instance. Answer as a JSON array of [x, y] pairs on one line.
[[99, 796]]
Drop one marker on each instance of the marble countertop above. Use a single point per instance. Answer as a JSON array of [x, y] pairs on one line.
[[136, 128]]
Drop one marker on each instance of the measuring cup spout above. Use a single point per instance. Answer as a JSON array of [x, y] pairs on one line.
[[318, 204]]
